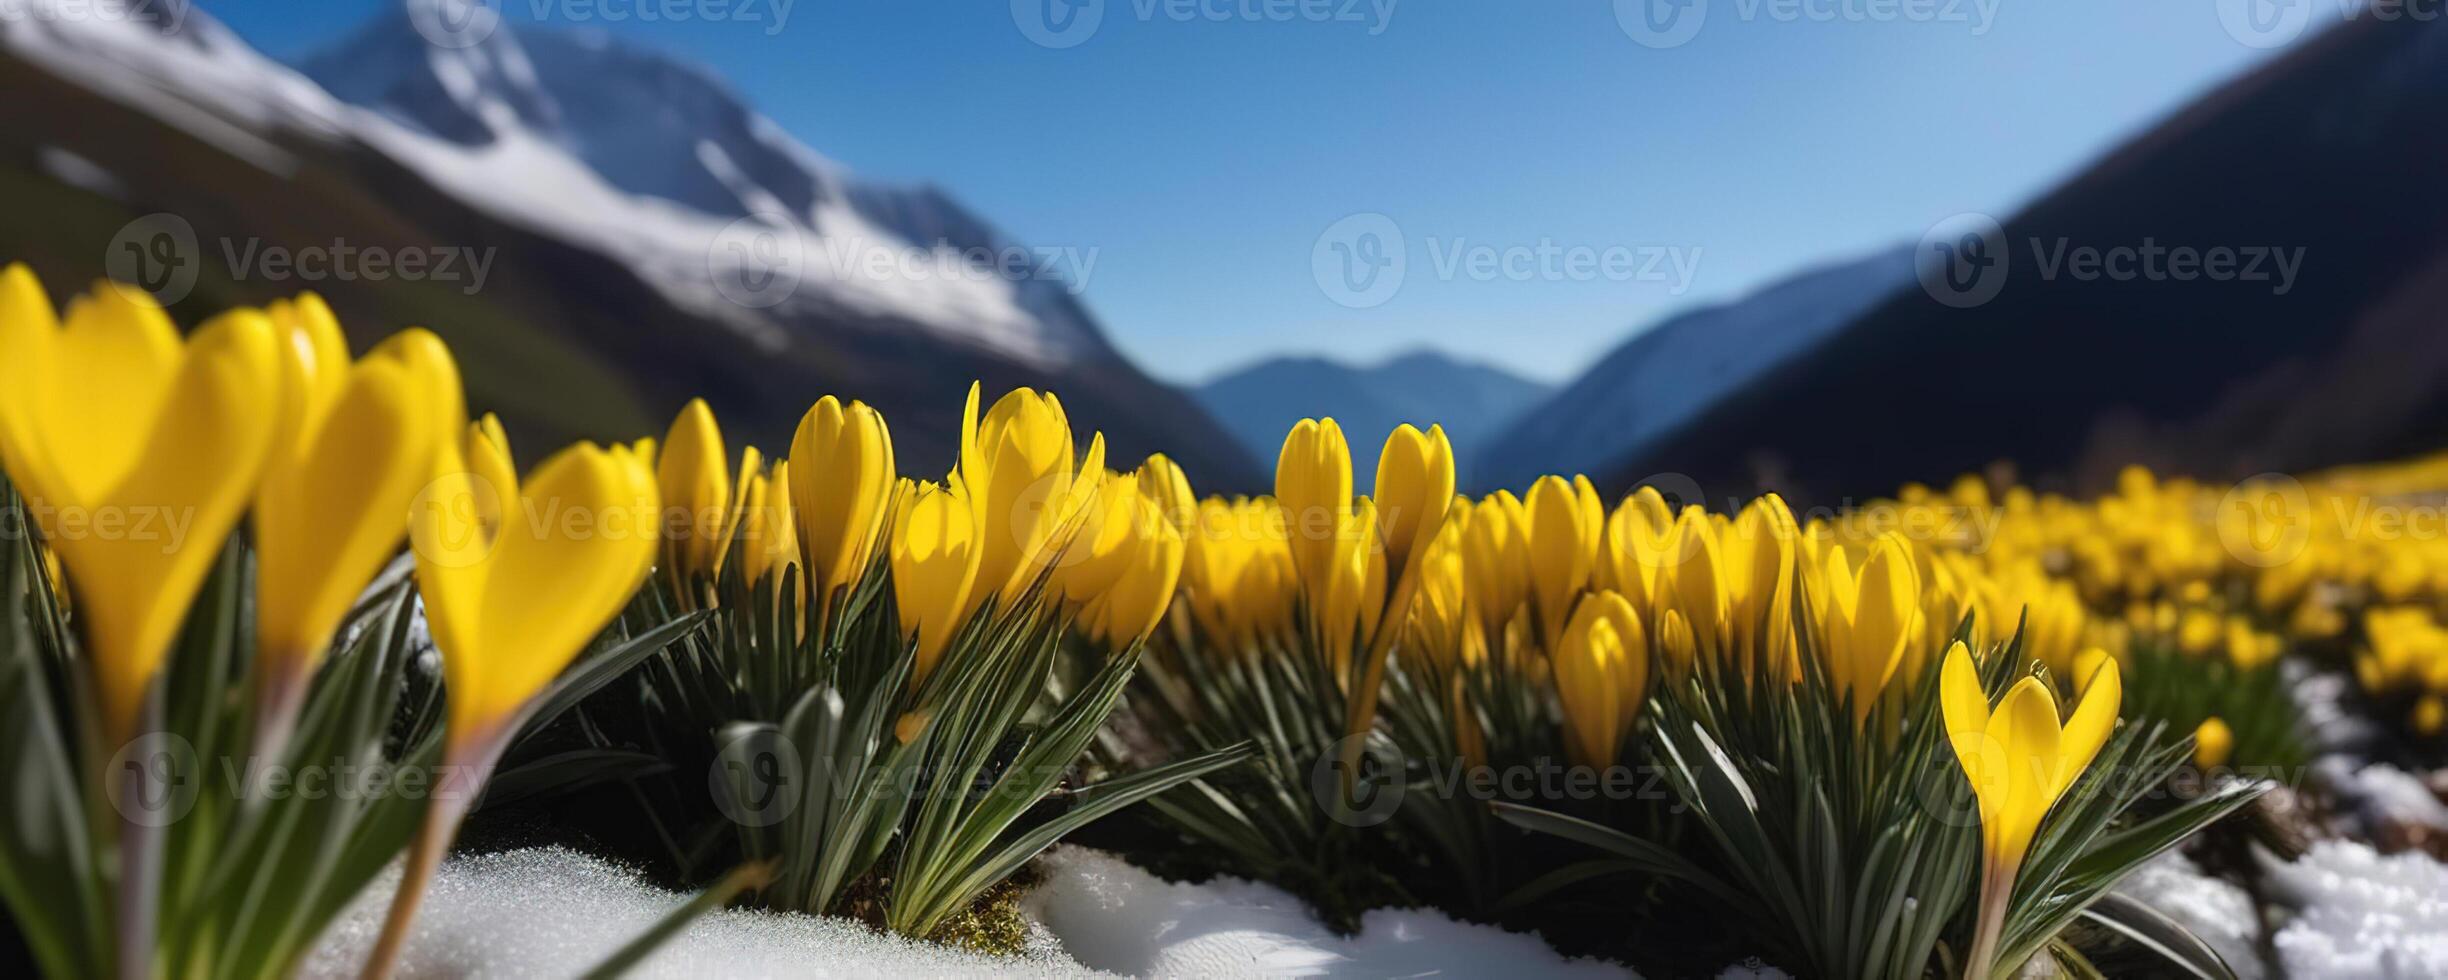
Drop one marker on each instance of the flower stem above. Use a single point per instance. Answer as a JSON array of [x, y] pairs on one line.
[[1997, 887], [443, 815]]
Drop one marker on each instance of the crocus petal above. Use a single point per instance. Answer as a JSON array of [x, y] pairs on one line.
[[2088, 729], [190, 483], [2026, 724], [330, 523]]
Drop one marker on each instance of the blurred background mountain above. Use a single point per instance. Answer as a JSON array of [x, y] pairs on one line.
[[650, 236], [1474, 402]]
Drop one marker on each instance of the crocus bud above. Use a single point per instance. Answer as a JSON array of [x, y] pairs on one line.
[[841, 466]]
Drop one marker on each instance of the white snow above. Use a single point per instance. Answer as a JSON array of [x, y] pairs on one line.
[[2394, 795], [1113, 916], [69, 168], [2362, 915], [2379, 793], [550, 912], [554, 912], [2217, 911], [202, 79]]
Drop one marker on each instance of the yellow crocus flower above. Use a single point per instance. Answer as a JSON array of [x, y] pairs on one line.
[[935, 554], [694, 478], [1496, 560], [1217, 550], [768, 533], [1414, 492], [137, 454], [2019, 758], [1759, 551], [1313, 485], [1149, 562], [358, 442], [841, 481], [1677, 650], [1696, 581], [509, 610], [1016, 461], [1414, 495], [492, 470], [1264, 591], [1601, 676], [1169, 488], [1562, 545], [1353, 593], [1872, 614], [2213, 743], [1109, 527], [1639, 536]]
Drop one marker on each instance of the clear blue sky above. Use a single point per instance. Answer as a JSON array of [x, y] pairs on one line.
[[1202, 161]]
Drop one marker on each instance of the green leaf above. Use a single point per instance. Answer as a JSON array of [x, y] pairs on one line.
[[592, 673], [2159, 934], [1096, 801], [48, 878]]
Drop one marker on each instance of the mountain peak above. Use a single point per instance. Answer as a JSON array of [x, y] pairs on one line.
[[658, 159]]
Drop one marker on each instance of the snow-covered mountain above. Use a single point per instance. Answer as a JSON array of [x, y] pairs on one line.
[[673, 136], [657, 236], [1665, 376]]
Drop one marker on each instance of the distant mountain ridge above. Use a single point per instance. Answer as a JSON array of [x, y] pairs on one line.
[[2331, 152], [1668, 374], [1473, 401]]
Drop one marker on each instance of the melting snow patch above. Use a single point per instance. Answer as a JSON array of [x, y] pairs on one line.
[[76, 171], [554, 912], [2398, 796], [551, 912], [1114, 916], [2217, 911], [2363, 915]]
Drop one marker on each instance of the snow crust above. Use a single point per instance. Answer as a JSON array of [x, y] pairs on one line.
[[2361, 914]]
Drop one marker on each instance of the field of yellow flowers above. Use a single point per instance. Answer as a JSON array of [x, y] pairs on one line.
[[1923, 736]]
